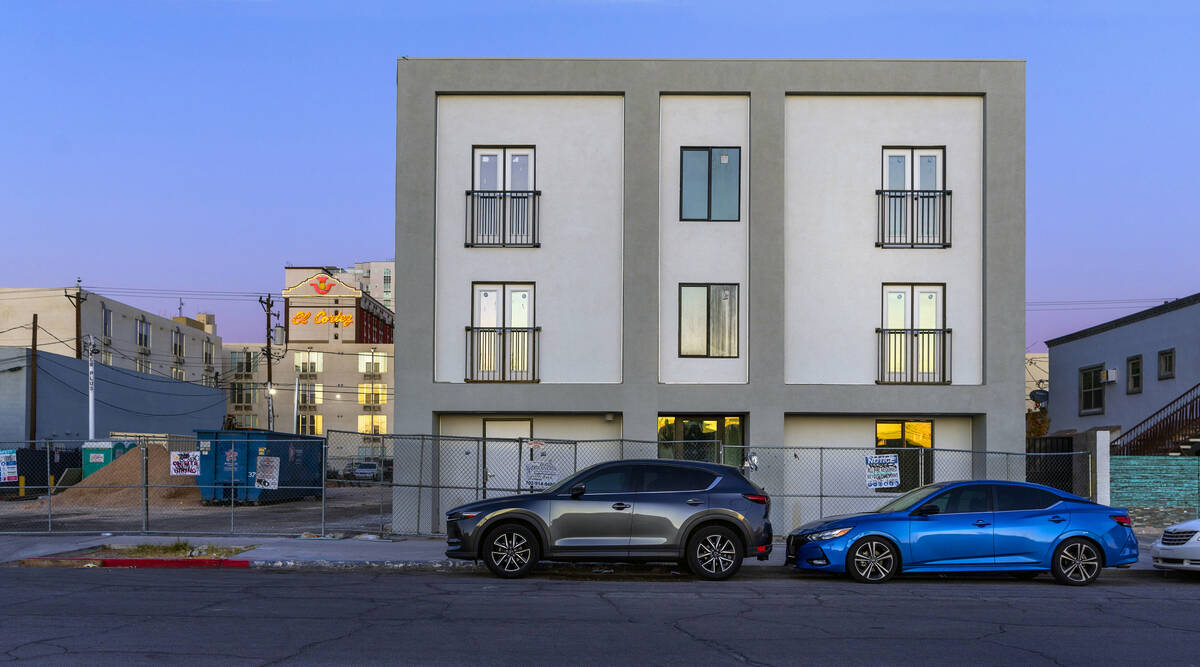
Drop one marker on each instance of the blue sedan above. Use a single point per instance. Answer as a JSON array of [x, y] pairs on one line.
[[977, 526]]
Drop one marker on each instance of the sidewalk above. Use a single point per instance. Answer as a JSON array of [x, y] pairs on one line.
[[355, 553]]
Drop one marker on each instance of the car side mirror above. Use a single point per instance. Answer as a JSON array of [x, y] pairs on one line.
[[926, 510], [577, 490]]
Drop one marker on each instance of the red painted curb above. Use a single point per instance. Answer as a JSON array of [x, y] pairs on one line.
[[157, 562]]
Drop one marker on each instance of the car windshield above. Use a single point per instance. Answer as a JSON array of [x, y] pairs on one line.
[[909, 499]]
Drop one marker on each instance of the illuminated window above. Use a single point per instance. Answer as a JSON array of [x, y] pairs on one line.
[[310, 424], [373, 424], [372, 362], [311, 394], [142, 365], [310, 362], [177, 373], [372, 394], [912, 443]]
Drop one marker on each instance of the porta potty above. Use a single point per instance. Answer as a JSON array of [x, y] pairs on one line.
[[99, 453], [259, 466]]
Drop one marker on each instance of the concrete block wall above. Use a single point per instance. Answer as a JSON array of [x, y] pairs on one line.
[[1158, 490]]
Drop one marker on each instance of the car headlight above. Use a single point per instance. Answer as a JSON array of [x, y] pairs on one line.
[[455, 516], [829, 534]]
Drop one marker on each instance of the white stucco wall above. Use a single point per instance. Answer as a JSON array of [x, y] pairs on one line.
[[577, 270], [834, 273], [701, 252]]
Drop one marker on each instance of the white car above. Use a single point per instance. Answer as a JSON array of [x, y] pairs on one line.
[[1179, 547]]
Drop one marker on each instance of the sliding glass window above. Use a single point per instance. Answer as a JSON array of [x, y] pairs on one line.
[[710, 184], [708, 320]]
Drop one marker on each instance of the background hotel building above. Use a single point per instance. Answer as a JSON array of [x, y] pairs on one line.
[[332, 373], [775, 252]]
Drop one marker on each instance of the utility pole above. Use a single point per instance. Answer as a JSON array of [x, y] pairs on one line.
[[77, 299], [92, 349], [267, 303], [33, 373]]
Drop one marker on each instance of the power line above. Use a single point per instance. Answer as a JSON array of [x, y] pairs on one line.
[[134, 412], [127, 386]]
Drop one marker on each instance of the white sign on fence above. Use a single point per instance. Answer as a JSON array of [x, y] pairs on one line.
[[883, 471], [540, 475], [185, 463], [8, 465], [266, 475]]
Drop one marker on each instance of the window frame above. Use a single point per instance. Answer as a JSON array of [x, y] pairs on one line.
[[1129, 374], [1168, 353], [105, 320], [708, 198], [504, 148], [1094, 368], [635, 480], [926, 453], [707, 322]]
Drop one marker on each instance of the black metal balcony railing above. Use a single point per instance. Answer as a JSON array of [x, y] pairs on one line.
[[502, 354], [503, 219], [914, 356], [914, 218]]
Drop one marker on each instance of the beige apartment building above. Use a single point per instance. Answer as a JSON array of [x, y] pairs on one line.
[[180, 348], [374, 278], [330, 372]]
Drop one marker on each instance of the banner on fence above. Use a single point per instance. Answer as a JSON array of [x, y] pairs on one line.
[[883, 471], [540, 475], [266, 475], [185, 463], [8, 465]]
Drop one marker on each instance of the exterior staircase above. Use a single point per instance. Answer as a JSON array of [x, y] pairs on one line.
[[1168, 431]]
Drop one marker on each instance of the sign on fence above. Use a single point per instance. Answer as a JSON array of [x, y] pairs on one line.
[[266, 475], [185, 463], [540, 475], [8, 465], [883, 471]]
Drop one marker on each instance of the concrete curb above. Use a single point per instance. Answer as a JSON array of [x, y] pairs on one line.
[[211, 563]]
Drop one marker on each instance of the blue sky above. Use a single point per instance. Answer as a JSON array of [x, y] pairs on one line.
[[203, 144]]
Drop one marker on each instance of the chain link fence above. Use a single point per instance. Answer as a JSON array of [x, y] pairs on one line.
[[267, 484]]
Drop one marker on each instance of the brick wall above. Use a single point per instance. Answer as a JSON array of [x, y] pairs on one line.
[[1158, 490]]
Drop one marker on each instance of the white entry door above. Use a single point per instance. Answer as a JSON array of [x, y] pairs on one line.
[[502, 454]]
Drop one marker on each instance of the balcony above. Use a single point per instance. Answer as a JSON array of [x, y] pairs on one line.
[[913, 356], [502, 219], [502, 354], [913, 218]]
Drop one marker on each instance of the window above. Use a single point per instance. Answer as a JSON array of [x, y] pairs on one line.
[[311, 394], [914, 210], [106, 357], [142, 332], [208, 352], [1091, 390], [387, 279], [708, 320], [914, 341], [502, 340], [310, 424], [244, 361], [675, 478], [245, 421], [1133, 375], [964, 499], [177, 373], [610, 480], [372, 362], [372, 424], [1166, 364], [911, 440], [141, 365], [502, 206], [106, 320], [1010, 498], [309, 362], [177, 344], [242, 393], [372, 394], [696, 438], [208, 380], [710, 184]]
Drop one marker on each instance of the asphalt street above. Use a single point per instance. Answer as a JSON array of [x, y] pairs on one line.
[[112, 616]]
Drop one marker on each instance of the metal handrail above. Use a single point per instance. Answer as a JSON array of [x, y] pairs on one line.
[[503, 219], [1155, 433], [914, 356], [503, 354], [913, 218]]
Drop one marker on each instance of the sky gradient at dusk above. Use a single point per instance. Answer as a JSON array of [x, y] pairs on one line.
[[204, 144]]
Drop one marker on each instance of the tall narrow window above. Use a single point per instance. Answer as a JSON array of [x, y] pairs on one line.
[[502, 204], [106, 324], [142, 332], [502, 341], [913, 339], [710, 184], [208, 352], [914, 209], [708, 320], [177, 342], [1166, 364], [1091, 390], [1133, 375], [309, 361]]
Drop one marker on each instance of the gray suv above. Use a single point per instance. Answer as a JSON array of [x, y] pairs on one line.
[[705, 516]]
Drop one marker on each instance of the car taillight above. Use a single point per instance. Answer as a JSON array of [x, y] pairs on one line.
[[756, 498], [1122, 519]]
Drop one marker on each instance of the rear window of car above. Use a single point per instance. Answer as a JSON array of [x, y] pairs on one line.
[[675, 478], [1010, 498]]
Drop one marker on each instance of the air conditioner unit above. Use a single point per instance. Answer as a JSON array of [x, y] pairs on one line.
[[1109, 376]]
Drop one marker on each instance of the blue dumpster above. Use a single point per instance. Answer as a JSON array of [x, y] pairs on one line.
[[229, 465]]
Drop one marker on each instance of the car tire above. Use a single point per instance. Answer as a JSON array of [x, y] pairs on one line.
[[872, 560], [1076, 562], [510, 551], [714, 553]]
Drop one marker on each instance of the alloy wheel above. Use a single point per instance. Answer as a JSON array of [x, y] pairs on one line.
[[715, 553], [1078, 562], [511, 551], [874, 561]]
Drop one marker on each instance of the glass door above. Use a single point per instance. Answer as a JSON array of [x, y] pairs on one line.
[[486, 333], [896, 325], [519, 184], [928, 201], [897, 181], [518, 336], [489, 195], [928, 338]]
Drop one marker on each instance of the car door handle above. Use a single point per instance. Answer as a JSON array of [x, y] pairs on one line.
[[981, 523], [620, 506], [695, 501], [1057, 519]]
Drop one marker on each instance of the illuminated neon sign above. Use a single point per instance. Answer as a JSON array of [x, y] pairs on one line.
[[322, 317], [322, 284]]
